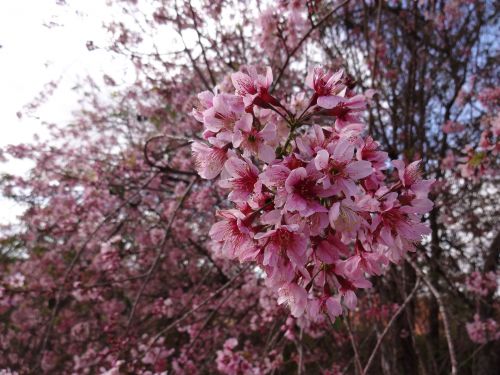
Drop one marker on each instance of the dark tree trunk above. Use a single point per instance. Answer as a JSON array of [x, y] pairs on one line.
[[489, 358], [434, 350]]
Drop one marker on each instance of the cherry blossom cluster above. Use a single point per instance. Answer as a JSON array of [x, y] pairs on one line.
[[312, 204], [481, 331], [229, 362], [481, 158], [482, 284]]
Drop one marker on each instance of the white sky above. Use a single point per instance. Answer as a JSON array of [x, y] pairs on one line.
[[42, 41]]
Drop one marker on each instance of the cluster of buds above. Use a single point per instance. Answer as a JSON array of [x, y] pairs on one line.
[[481, 331], [482, 284], [313, 206]]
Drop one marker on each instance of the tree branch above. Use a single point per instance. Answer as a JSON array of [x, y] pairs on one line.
[[442, 310], [388, 327], [160, 252], [304, 38], [357, 359]]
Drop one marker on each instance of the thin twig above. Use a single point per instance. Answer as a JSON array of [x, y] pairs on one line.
[[160, 252], [361, 346], [206, 253], [354, 346], [388, 327], [61, 290], [210, 317], [304, 38], [444, 316], [301, 353], [203, 52], [377, 30], [166, 168], [188, 52], [472, 355], [197, 307]]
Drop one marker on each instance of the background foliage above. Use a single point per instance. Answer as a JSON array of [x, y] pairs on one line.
[[111, 268]]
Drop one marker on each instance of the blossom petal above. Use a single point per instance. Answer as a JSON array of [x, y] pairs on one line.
[[329, 102], [359, 169]]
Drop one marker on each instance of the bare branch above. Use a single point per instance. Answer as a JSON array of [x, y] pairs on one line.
[[442, 310], [197, 307], [203, 52], [62, 289], [304, 38], [388, 327], [160, 252], [301, 353], [357, 360]]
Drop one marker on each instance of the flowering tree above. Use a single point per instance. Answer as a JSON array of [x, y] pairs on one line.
[[241, 210], [320, 193]]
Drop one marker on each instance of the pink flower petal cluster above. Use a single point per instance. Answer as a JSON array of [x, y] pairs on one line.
[[314, 206], [482, 284], [450, 127], [230, 361], [482, 331]]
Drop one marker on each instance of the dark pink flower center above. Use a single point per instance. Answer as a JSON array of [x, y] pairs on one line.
[[340, 111], [335, 168], [245, 181], [306, 188], [246, 87], [392, 217]]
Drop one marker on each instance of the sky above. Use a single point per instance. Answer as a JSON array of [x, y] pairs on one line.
[[41, 41], [46, 40]]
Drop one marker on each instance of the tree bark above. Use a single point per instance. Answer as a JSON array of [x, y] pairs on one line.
[[488, 358]]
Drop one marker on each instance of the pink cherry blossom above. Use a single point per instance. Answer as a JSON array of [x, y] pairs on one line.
[[318, 215], [205, 101], [344, 216], [329, 90], [254, 88], [223, 114], [111, 266], [286, 242], [481, 331], [333, 307], [295, 297], [243, 177], [303, 191], [208, 160], [252, 141], [237, 237], [408, 175], [347, 111], [482, 284], [340, 171], [450, 127]]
